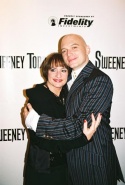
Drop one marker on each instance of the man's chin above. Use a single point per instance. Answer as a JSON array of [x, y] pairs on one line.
[[72, 66]]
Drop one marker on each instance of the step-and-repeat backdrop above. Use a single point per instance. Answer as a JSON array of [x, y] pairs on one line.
[[29, 31]]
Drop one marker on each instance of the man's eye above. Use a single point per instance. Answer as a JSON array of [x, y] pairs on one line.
[[63, 51], [74, 47]]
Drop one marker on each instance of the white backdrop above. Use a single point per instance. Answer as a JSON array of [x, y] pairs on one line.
[[27, 36]]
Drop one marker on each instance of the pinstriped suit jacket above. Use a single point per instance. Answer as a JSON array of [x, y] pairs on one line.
[[97, 162]]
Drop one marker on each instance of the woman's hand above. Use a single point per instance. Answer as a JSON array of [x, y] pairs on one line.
[[91, 130]]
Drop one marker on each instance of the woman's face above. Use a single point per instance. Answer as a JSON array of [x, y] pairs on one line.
[[57, 76]]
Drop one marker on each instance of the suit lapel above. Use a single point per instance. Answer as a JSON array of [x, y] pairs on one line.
[[86, 71]]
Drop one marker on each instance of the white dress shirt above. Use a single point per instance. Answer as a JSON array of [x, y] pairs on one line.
[[32, 120], [74, 75]]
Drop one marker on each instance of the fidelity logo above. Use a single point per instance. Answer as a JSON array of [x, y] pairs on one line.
[[71, 21]]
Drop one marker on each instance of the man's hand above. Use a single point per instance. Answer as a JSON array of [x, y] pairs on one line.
[[95, 123], [31, 117]]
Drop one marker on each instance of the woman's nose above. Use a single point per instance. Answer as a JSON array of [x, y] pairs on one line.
[[58, 74]]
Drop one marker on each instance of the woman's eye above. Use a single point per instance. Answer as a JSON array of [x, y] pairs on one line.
[[52, 69], [64, 70]]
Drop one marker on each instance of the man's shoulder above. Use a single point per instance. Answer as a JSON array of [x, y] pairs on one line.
[[96, 74], [92, 71]]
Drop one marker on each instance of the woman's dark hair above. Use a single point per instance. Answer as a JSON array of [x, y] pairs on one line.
[[54, 59]]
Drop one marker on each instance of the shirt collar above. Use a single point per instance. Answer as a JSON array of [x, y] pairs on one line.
[[76, 72]]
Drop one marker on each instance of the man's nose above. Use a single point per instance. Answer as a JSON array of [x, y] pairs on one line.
[[69, 52]]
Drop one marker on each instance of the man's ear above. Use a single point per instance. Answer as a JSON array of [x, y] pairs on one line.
[[87, 49]]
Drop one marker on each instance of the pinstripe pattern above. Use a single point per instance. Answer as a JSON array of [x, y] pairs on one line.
[[96, 163]]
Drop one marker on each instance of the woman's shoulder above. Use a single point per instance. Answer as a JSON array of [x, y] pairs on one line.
[[35, 90]]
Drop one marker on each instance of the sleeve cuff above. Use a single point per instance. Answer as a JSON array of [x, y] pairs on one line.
[[32, 120]]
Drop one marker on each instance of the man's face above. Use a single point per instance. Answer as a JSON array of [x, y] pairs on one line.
[[74, 51]]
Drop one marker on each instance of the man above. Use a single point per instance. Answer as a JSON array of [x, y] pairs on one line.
[[90, 91]]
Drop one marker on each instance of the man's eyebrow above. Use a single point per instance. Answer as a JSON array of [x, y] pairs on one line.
[[75, 44], [71, 45]]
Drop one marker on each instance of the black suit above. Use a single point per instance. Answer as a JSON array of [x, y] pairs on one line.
[[97, 162]]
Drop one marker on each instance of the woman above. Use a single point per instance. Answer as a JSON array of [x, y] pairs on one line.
[[46, 162]]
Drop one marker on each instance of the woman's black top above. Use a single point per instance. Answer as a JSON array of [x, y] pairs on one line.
[[45, 153]]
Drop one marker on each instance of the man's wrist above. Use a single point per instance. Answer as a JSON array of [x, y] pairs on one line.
[[32, 120]]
